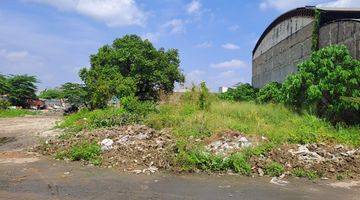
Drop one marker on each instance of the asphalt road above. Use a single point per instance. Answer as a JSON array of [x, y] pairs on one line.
[[27, 176]]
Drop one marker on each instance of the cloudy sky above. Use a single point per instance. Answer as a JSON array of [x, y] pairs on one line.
[[53, 39]]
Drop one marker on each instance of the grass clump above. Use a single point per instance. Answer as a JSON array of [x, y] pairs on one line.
[[302, 173], [274, 169], [84, 151], [6, 113]]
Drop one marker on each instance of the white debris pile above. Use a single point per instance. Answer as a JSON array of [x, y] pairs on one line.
[[313, 153], [227, 143], [135, 148]]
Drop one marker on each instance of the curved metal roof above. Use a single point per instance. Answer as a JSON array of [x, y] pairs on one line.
[[303, 11], [327, 15]]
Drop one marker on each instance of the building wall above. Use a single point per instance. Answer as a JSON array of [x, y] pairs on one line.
[[281, 31], [345, 32], [281, 59]]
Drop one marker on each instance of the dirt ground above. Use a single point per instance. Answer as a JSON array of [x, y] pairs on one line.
[[26, 175]]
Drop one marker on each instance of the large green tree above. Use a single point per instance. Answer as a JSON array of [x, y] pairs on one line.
[[22, 88], [131, 64]]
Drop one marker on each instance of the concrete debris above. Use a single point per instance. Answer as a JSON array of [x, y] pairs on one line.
[[306, 155], [278, 181], [228, 142], [106, 144]]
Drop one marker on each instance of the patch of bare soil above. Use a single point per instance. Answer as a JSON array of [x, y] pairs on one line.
[[17, 157], [328, 160], [134, 148]]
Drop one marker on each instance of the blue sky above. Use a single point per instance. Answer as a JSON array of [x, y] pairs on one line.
[[53, 39]]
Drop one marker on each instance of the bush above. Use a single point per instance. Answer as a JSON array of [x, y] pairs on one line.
[[270, 93], [244, 92], [274, 169], [323, 81]]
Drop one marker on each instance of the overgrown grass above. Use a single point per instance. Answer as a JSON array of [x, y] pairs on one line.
[[85, 119], [273, 121], [84, 151], [6, 113]]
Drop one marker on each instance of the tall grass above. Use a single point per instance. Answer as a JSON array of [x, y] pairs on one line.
[[273, 121]]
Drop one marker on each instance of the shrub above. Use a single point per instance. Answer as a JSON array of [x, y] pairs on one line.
[[244, 92], [141, 108], [270, 93], [238, 163], [86, 151], [323, 81], [274, 169]]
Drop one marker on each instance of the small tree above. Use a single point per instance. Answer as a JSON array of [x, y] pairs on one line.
[[204, 102], [22, 88]]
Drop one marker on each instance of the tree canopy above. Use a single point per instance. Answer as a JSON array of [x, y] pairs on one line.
[[131, 66]]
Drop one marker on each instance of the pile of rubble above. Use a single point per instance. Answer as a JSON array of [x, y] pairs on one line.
[[134, 148], [329, 160], [228, 142]]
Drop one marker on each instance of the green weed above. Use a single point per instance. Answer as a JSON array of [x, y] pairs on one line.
[[274, 169], [5, 113]]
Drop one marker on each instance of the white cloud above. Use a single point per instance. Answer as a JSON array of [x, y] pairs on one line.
[[175, 26], [341, 4], [230, 46], [112, 12], [152, 37], [283, 5], [194, 7], [234, 63], [204, 45], [13, 56], [194, 76], [234, 27]]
